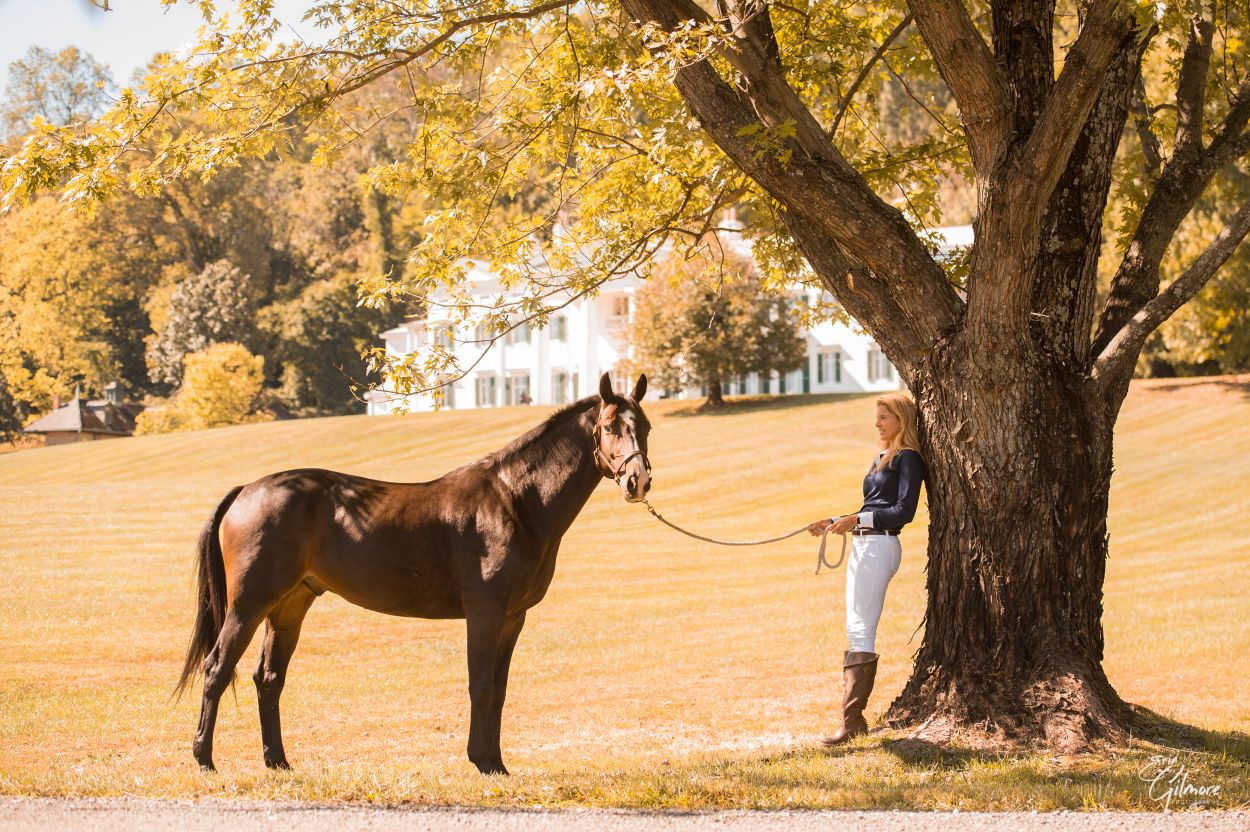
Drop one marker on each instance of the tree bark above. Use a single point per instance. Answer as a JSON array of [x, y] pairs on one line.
[[1018, 467]]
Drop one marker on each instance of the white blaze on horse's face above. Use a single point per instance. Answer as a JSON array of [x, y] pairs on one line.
[[623, 447], [635, 480]]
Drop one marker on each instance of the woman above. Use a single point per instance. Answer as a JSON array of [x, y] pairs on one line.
[[891, 492]]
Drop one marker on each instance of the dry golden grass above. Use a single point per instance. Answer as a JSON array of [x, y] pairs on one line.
[[658, 672]]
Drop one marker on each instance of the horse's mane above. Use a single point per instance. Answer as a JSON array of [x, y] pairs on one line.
[[553, 423]]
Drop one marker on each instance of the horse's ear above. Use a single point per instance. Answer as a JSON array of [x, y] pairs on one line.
[[640, 388], [605, 389]]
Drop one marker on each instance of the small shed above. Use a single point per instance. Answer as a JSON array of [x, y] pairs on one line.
[[89, 421]]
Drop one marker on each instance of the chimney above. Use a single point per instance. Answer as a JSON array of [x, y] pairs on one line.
[[56, 401], [113, 393]]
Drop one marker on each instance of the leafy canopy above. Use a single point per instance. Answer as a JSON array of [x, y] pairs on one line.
[[546, 137], [526, 117]]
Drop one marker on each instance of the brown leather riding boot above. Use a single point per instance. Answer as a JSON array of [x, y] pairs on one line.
[[859, 671]]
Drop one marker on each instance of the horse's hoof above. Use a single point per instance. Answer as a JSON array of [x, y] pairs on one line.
[[207, 765], [278, 765], [492, 768]]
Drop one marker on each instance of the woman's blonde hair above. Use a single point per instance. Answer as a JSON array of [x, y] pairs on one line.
[[903, 408]]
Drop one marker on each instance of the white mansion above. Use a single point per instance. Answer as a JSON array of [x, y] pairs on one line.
[[563, 361]]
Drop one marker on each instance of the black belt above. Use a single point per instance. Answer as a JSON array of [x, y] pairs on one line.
[[860, 531]]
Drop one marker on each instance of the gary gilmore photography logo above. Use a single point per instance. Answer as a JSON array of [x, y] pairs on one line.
[[1168, 780]]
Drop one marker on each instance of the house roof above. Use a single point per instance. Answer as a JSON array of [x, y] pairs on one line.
[[96, 416]]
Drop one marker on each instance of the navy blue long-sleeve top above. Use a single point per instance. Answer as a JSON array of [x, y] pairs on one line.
[[891, 494]]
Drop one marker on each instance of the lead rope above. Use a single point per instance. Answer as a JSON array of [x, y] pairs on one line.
[[820, 555]]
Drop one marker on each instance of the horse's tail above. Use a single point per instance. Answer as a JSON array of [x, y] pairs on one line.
[[210, 605]]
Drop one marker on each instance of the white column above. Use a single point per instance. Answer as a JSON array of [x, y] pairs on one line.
[[590, 366], [541, 374]]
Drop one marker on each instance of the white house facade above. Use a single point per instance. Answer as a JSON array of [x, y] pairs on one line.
[[563, 361]]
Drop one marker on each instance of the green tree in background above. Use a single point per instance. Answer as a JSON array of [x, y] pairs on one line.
[[216, 305], [318, 339], [58, 285], [10, 419], [221, 386], [701, 321], [62, 88]]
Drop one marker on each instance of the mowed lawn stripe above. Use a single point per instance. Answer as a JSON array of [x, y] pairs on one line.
[[659, 670]]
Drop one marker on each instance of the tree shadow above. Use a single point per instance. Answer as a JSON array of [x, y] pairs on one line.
[[735, 405], [1023, 773], [928, 754], [1238, 384], [1157, 729]]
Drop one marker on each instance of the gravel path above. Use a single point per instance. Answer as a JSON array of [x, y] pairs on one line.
[[125, 815]]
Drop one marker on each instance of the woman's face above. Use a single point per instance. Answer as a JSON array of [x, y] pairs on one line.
[[888, 425]]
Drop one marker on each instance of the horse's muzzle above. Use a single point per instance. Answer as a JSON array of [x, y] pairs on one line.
[[635, 486]]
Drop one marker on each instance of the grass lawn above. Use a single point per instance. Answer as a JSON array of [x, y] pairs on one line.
[[659, 672]]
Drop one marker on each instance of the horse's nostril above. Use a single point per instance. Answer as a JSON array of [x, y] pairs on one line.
[[646, 487]]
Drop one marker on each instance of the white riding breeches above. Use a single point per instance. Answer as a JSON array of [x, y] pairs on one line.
[[874, 560]]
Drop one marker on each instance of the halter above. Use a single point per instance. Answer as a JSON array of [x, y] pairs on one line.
[[603, 465]]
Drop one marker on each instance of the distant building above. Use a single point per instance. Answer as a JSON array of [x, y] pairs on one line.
[[562, 362], [88, 421]]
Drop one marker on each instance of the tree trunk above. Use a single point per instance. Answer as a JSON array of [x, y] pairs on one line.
[[715, 396], [1018, 467]]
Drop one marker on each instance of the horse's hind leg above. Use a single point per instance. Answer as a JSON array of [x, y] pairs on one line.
[[282, 628], [236, 633]]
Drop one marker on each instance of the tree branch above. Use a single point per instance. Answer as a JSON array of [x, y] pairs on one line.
[[1120, 355], [1192, 83], [1144, 121], [1182, 182], [845, 103], [1045, 155], [1022, 35], [816, 183], [1065, 291], [967, 66]]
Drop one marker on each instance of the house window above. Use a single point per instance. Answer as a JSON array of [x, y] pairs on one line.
[[618, 312], [447, 394], [481, 334], [516, 390], [520, 335], [559, 328], [444, 337], [829, 366], [484, 391], [879, 367], [559, 387]]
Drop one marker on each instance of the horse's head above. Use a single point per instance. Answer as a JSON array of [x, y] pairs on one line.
[[620, 433]]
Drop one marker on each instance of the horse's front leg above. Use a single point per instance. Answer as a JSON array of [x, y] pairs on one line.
[[503, 661], [485, 623]]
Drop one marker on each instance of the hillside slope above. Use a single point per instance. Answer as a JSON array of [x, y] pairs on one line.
[[648, 645]]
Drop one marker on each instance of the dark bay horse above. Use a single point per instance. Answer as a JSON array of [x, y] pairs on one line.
[[478, 543]]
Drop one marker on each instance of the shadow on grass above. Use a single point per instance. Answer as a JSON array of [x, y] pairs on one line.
[[735, 405], [1239, 384], [889, 770], [1157, 729]]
